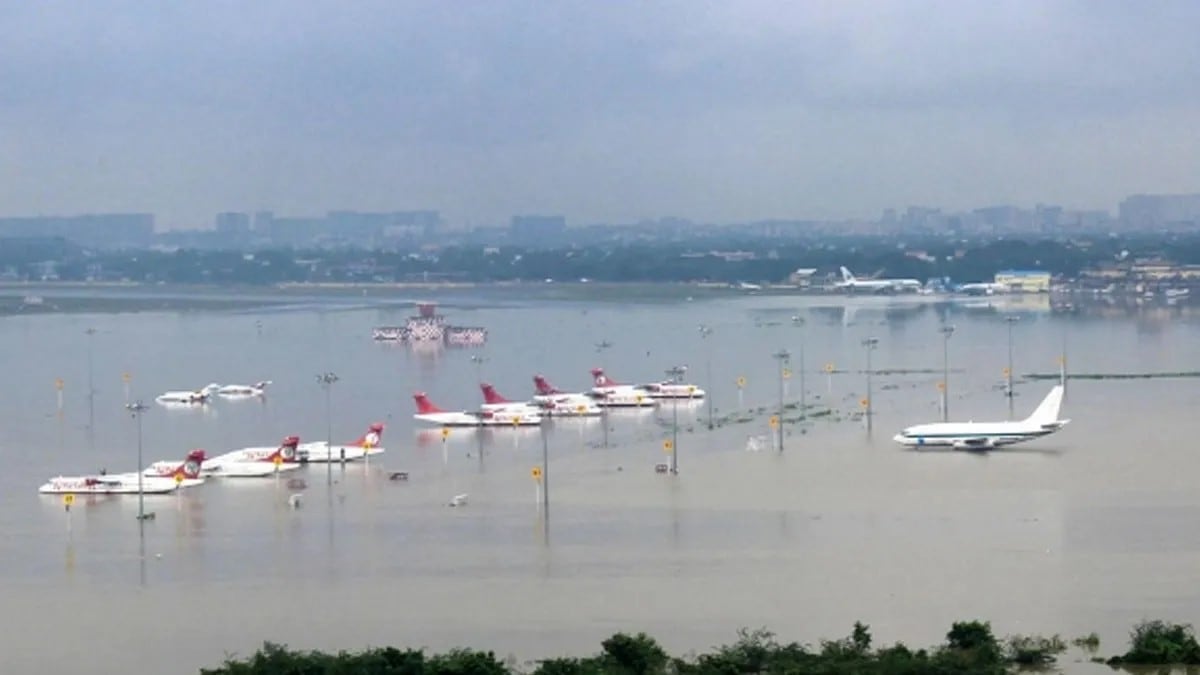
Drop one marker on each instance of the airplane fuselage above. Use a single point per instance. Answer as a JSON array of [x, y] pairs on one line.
[[969, 435]]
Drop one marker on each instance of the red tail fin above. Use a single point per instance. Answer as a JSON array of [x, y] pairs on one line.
[[543, 386], [287, 450], [190, 467], [602, 380], [490, 395], [372, 438], [424, 405]]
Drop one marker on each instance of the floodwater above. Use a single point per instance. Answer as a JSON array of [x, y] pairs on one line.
[[1089, 530]]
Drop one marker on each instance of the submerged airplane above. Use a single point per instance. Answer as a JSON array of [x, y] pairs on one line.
[[168, 477], [237, 390], [851, 283], [367, 445], [987, 435]]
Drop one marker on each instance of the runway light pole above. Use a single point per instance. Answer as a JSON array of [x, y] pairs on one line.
[[798, 322], [600, 349], [947, 331], [91, 394], [705, 332], [869, 345], [676, 374], [1008, 390], [545, 477], [326, 380], [782, 356], [137, 409]]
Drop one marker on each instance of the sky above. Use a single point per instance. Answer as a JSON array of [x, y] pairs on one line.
[[600, 110]]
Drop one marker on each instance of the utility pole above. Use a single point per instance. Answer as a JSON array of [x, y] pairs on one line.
[[676, 374], [947, 331], [869, 344], [1008, 390], [545, 483], [137, 409], [600, 348], [782, 356], [326, 380], [798, 322], [706, 331], [91, 394]]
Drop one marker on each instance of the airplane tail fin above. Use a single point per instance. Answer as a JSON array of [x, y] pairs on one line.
[[543, 386], [287, 449], [190, 468], [599, 379], [372, 438], [424, 405], [490, 395], [847, 276], [1047, 410]]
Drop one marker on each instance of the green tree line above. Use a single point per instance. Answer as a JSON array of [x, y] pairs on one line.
[[970, 648], [654, 261]]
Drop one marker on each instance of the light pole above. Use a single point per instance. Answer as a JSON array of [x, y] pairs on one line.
[[782, 356], [706, 331], [545, 483], [798, 322], [600, 348], [91, 394], [947, 331], [326, 381], [676, 374], [137, 409], [869, 346], [1008, 389]]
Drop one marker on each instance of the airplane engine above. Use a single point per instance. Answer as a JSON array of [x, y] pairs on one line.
[[983, 444]]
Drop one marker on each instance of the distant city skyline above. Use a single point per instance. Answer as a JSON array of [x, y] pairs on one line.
[[604, 112]]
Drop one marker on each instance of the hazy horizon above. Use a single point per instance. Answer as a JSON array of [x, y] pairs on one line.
[[604, 112]]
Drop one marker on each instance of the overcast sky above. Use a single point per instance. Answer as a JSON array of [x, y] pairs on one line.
[[600, 110]]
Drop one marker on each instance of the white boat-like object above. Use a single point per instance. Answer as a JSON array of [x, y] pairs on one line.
[[367, 445], [254, 462], [429, 413], [182, 474], [558, 403]]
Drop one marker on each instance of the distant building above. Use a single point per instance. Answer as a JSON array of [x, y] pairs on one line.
[[233, 225], [1024, 281], [534, 229], [1160, 211], [110, 230]]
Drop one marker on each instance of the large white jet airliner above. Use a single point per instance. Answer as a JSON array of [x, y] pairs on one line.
[[851, 283], [988, 435]]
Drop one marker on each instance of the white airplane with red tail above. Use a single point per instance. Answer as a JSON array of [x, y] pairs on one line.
[[560, 403], [610, 394], [253, 462], [665, 389], [180, 473], [492, 400], [428, 412], [188, 471], [366, 445]]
